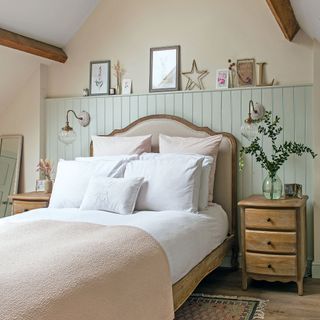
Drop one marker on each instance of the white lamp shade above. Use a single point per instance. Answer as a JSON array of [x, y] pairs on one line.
[[249, 130], [67, 137], [258, 111]]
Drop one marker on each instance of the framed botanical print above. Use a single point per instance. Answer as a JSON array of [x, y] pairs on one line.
[[246, 72], [99, 77], [164, 69], [126, 86]]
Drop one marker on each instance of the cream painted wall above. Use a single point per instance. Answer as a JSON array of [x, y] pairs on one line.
[[16, 68], [211, 31], [316, 134], [23, 116]]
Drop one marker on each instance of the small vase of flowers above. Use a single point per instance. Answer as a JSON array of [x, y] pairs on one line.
[[270, 128], [233, 73], [45, 167]]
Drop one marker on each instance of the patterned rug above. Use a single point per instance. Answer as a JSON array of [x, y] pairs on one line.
[[208, 307]]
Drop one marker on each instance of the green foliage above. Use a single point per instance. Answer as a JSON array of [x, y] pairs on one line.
[[270, 128]]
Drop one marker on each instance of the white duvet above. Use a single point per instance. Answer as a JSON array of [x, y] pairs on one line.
[[185, 237]]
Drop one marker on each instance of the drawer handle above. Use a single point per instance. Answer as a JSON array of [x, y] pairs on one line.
[[269, 243], [269, 220], [269, 266]]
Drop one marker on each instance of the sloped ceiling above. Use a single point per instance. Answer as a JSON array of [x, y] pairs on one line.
[[51, 21], [307, 13]]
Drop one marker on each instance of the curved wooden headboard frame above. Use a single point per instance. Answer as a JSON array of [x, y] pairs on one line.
[[210, 132]]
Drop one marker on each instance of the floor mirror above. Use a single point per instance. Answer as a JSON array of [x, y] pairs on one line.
[[10, 160]]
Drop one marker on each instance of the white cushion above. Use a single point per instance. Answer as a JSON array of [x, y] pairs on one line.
[[106, 146], [125, 157], [73, 177], [208, 146], [205, 172], [169, 184], [117, 195]]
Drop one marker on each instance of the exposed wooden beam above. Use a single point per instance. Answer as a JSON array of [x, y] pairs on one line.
[[38, 48], [284, 14]]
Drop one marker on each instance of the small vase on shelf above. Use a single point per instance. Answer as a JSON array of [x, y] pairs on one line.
[[48, 186], [118, 89], [272, 187]]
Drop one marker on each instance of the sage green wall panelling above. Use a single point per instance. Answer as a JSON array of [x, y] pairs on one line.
[[219, 110]]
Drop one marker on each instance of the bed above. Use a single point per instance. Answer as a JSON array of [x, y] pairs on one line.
[[225, 190], [190, 258]]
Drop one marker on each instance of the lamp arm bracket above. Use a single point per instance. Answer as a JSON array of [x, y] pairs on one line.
[[73, 114], [83, 117], [258, 111]]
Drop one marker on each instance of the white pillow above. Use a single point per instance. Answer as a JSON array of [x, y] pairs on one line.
[[106, 146], [208, 146], [205, 172], [73, 177], [169, 184], [117, 195], [125, 157]]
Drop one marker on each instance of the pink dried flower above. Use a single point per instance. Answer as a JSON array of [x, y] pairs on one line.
[[45, 167]]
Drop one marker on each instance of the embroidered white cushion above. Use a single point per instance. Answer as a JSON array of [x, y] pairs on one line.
[[169, 184], [208, 146], [107, 146], [116, 195], [73, 177], [205, 172]]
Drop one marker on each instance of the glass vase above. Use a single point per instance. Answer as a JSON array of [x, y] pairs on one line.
[[48, 186], [272, 187]]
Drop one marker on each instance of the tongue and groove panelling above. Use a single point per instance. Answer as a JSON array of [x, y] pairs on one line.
[[222, 110]]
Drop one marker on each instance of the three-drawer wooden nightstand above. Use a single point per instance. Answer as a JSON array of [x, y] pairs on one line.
[[273, 237], [23, 202]]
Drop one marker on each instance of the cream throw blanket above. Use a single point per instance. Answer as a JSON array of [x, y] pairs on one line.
[[51, 270]]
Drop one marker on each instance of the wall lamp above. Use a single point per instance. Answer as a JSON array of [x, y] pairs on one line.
[[250, 128], [67, 135]]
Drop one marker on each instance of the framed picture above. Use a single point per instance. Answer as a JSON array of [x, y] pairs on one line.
[[293, 190], [222, 79], [126, 86], [40, 185], [164, 69], [99, 77], [246, 72]]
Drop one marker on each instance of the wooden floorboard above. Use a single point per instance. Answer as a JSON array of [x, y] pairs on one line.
[[284, 302]]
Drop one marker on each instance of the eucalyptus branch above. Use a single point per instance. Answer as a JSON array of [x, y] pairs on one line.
[[280, 154], [270, 128]]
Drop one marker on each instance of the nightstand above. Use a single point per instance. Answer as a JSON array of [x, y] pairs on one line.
[[23, 202], [273, 239]]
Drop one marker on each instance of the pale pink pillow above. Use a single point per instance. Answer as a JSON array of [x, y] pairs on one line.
[[208, 146], [107, 146]]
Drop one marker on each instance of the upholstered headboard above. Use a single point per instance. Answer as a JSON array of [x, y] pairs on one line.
[[225, 180]]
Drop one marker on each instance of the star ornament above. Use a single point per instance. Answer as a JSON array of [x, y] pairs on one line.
[[195, 77]]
